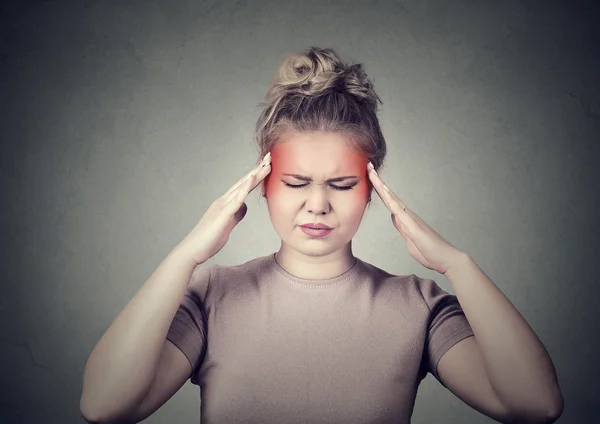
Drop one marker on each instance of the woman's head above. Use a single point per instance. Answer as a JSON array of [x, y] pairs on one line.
[[320, 122]]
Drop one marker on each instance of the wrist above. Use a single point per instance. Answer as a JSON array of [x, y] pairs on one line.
[[184, 255]]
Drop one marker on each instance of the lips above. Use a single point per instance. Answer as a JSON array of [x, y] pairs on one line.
[[316, 226]]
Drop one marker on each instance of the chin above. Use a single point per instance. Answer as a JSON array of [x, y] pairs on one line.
[[315, 251], [315, 247]]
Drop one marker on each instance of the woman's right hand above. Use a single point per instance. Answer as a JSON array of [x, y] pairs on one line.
[[212, 231]]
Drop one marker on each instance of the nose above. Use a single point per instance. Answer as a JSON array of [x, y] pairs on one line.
[[318, 202]]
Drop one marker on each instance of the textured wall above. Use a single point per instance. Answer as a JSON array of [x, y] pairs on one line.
[[122, 121]]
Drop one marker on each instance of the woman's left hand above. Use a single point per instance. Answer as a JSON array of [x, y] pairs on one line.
[[424, 243]]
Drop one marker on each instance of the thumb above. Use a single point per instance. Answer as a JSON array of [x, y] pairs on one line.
[[240, 213], [395, 221]]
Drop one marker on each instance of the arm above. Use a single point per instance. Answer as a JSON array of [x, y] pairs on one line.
[[122, 367], [518, 367], [519, 370]]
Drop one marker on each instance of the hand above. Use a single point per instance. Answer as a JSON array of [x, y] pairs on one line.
[[424, 244], [212, 231]]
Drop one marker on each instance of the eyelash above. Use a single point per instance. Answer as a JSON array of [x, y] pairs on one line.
[[332, 186]]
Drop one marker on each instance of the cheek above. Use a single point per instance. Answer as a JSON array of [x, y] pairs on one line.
[[353, 205], [362, 191]]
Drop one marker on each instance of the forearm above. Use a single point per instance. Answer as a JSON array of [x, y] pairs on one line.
[[517, 364], [122, 366]]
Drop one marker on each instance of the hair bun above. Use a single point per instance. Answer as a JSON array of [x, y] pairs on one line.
[[318, 71]]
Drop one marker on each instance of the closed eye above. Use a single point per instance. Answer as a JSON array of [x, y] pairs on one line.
[[331, 185]]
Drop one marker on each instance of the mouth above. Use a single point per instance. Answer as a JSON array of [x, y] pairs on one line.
[[312, 232], [316, 226]]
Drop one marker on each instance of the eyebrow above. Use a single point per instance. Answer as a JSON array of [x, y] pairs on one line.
[[330, 180]]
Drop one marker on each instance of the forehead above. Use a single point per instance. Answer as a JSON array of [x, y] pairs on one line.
[[321, 151]]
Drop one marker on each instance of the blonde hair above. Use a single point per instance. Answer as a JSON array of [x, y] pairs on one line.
[[315, 91]]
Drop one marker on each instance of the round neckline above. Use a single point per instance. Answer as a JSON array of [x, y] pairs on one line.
[[346, 276]]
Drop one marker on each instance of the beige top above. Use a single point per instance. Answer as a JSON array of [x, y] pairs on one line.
[[268, 347]]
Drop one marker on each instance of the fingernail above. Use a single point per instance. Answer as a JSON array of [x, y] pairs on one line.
[[263, 161]]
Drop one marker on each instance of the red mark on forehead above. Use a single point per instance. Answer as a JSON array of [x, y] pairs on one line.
[[287, 159]]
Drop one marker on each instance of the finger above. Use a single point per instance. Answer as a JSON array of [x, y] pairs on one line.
[[393, 198], [379, 185], [262, 174], [250, 184], [240, 182], [399, 227], [392, 202], [237, 184], [246, 183], [235, 199], [375, 179], [266, 159]]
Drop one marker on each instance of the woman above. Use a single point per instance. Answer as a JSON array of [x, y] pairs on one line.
[[312, 334]]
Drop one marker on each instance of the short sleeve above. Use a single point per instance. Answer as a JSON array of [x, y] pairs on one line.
[[189, 326], [447, 324]]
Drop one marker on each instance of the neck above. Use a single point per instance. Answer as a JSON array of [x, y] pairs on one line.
[[320, 267]]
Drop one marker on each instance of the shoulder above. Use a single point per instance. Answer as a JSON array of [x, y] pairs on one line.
[[250, 267], [412, 288], [226, 277]]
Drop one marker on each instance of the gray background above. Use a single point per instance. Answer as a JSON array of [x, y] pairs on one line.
[[122, 121]]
